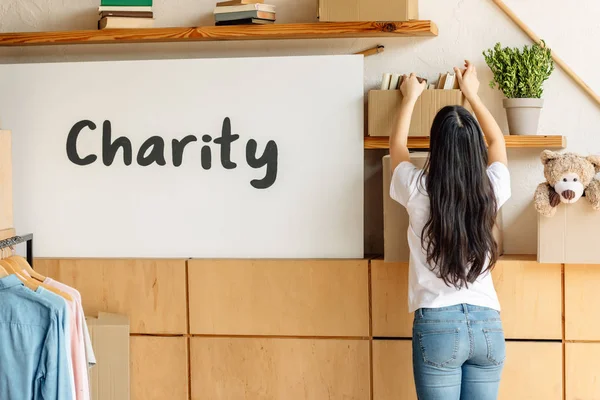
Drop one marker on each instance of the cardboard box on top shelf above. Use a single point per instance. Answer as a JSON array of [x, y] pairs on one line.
[[569, 236], [109, 378], [6, 194], [395, 217], [368, 10], [383, 106]]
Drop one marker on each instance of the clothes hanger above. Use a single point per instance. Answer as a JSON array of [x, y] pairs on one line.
[[11, 271], [3, 273], [29, 281], [26, 267]]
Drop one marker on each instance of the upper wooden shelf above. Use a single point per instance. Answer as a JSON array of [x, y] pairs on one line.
[[530, 141], [320, 30]]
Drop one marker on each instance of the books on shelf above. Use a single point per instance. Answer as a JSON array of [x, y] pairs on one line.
[[446, 81], [238, 2], [125, 14], [248, 21], [244, 12]]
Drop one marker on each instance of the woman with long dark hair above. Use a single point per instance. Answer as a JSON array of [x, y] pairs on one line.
[[458, 341]]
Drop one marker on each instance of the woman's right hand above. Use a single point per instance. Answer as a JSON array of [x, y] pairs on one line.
[[468, 81]]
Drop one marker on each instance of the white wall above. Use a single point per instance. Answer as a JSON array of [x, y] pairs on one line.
[[467, 27]]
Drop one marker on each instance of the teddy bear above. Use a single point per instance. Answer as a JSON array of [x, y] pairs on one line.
[[568, 177]]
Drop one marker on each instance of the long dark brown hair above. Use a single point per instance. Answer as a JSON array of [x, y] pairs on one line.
[[458, 237]]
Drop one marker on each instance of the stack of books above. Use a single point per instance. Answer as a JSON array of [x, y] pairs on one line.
[[125, 14], [244, 12]]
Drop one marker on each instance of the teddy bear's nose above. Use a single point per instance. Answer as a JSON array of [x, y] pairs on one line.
[[568, 194]]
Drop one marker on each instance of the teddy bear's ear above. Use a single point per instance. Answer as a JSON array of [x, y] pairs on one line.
[[548, 155], [596, 161]]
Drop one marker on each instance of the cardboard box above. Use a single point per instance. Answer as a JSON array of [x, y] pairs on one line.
[[568, 236], [367, 10], [109, 378], [395, 217], [6, 195], [383, 106]]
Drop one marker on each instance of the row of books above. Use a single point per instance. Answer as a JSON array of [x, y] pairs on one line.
[[125, 14], [446, 81], [244, 12]]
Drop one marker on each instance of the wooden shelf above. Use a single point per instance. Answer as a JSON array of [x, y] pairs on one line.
[[529, 141], [320, 30]]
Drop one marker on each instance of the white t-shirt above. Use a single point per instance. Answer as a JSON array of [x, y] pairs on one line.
[[425, 289]]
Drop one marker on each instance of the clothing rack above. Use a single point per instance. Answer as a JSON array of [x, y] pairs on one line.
[[15, 240]]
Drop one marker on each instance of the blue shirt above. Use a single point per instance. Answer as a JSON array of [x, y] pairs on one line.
[[33, 360]]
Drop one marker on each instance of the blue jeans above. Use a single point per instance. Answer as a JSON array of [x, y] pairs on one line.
[[458, 353]]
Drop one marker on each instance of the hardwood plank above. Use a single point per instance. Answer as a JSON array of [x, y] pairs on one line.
[[389, 300], [150, 292], [279, 297], [582, 315], [159, 368], [6, 194], [532, 371], [274, 369], [392, 370], [582, 372], [514, 141], [530, 295], [322, 30]]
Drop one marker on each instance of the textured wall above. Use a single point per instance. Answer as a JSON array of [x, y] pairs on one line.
[[466, 28]]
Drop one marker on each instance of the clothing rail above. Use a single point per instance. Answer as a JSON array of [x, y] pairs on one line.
[[15, 240]]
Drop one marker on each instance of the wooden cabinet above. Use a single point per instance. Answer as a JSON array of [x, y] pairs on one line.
[[151, 292], [6, 195], [582, 371], [582, 314], [392, 370], [389, 291], [533, 371], [279, 297], [275, 369], [531, 298], [159, 368]]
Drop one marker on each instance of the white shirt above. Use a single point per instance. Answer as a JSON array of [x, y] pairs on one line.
[[425, 289]]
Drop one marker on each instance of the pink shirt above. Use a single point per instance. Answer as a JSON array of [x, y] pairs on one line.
[[80, 372]]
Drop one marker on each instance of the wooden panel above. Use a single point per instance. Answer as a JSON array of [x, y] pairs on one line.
[[531, 298], [151, 292], [279, 297], [533, 371], [321, 30], [159, 368], [389, 291], [582, 314], [521, 141], [6, 194], [582, 372], [290, 369], [392, 370]]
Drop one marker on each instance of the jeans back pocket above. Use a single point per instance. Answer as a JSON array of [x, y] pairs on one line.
[[439, 347], [496, 345]]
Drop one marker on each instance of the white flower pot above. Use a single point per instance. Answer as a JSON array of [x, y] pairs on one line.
[[523, 115]]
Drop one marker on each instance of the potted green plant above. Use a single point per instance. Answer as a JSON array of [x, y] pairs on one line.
[[520, 75]]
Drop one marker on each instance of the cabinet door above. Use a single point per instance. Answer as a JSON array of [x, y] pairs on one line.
[[533, 371], [159, 368], [389, 302], [582, 371], [151, 292], [531, 298], [582, 314], [392, 370], [279, 297], [279, 368]]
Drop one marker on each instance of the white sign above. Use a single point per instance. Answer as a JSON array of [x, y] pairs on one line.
[[224, 158]]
